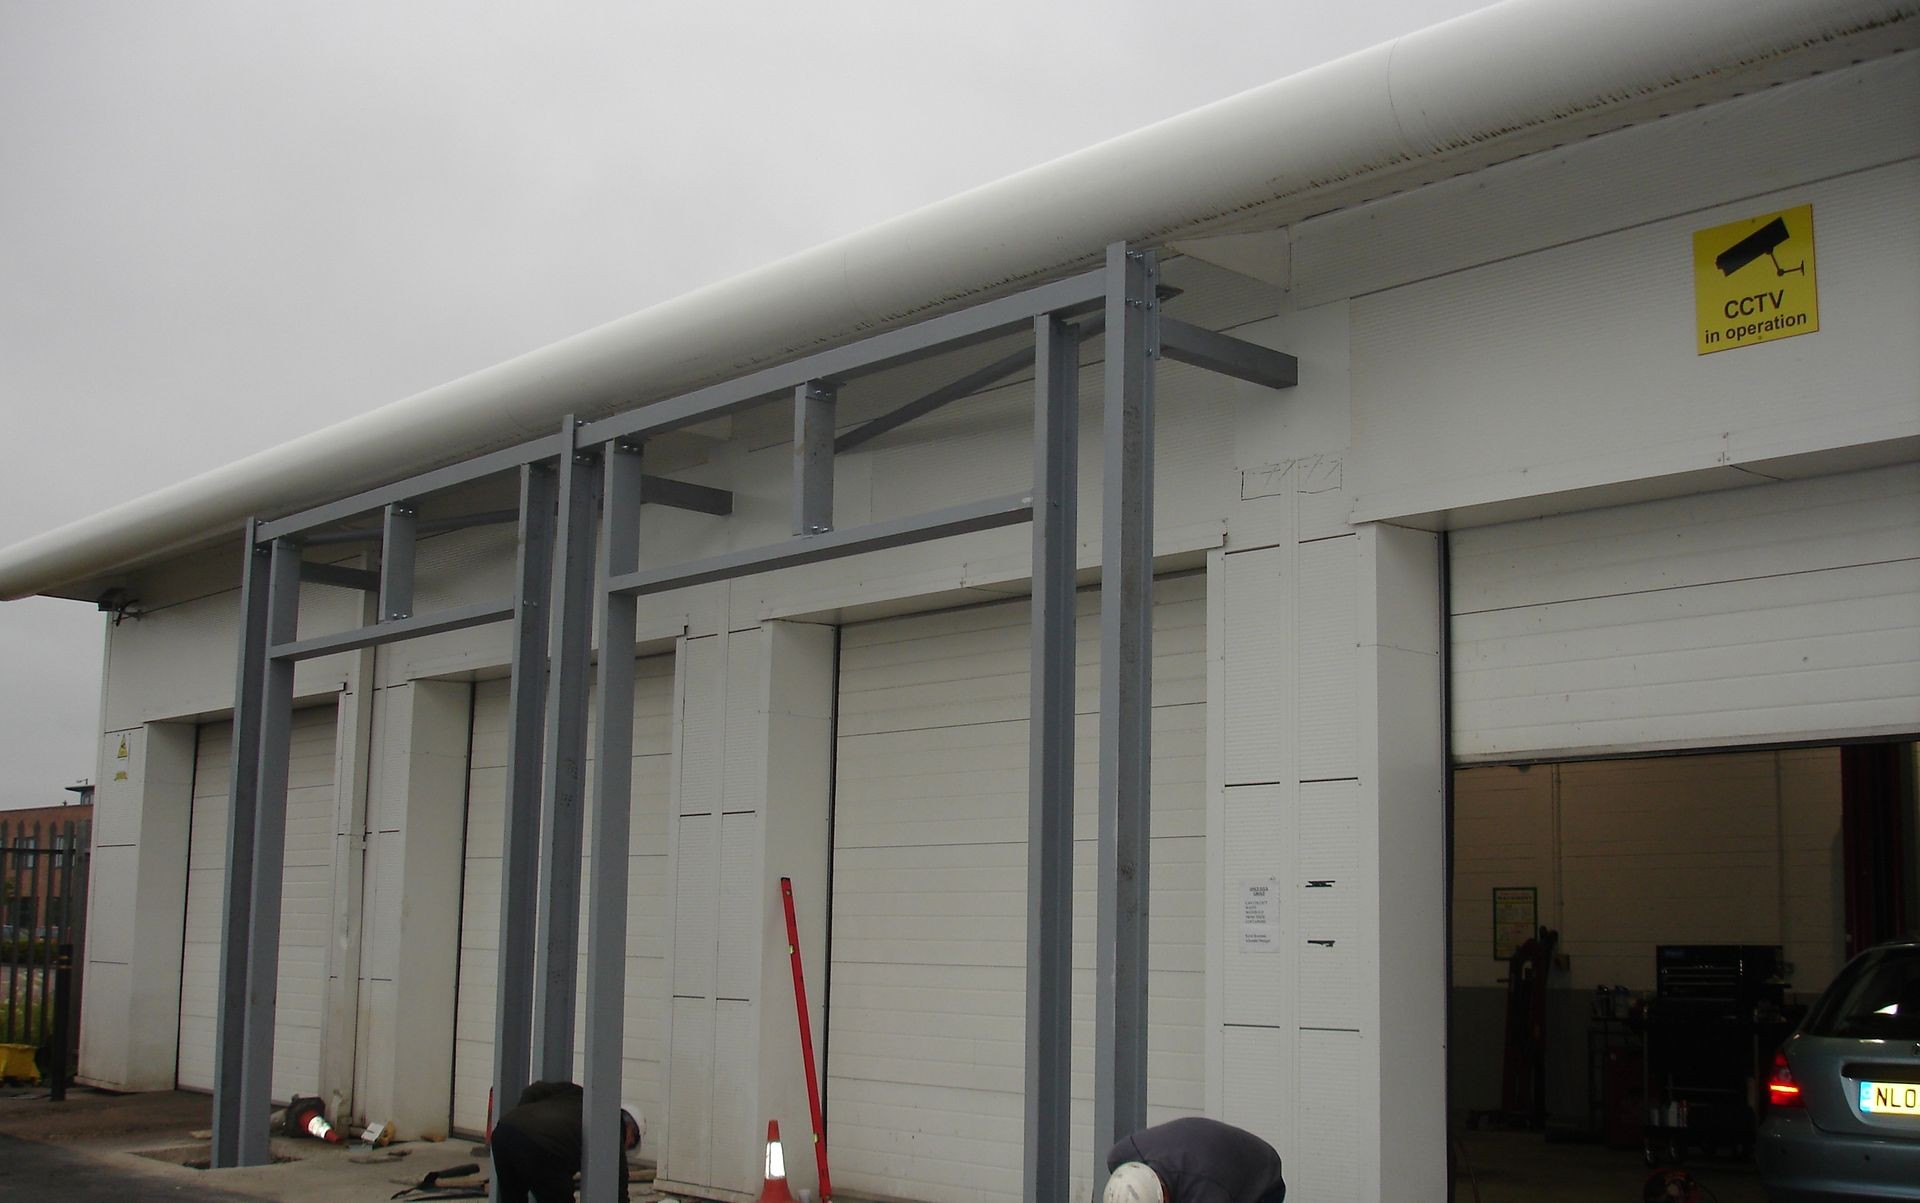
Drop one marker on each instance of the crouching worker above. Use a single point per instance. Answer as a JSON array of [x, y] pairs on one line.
[[1194, 1160], [536, 1146]]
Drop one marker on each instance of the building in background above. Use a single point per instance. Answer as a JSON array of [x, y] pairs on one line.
[[1605, 446], [35, 893]]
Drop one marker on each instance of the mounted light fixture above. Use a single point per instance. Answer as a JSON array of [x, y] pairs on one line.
[[118, 602]]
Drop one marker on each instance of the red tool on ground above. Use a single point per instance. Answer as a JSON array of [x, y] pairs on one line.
[[806, 1042]]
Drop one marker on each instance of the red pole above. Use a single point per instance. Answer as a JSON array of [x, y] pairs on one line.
[[806, 1042]]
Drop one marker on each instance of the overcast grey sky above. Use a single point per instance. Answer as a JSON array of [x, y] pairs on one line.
[[226, 224]]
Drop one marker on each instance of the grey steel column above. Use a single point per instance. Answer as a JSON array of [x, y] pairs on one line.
[[396, 561], [242, 795], [520, 836], [1126, 707], [269, 856], [814, 404], [1056, 413], [556, 956], [601, 1164]]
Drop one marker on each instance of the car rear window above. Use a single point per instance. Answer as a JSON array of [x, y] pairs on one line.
[[1877, 997]]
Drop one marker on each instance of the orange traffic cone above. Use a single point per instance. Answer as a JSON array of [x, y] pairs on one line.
[[317, 1125], [309, 1116], [774, 1189]]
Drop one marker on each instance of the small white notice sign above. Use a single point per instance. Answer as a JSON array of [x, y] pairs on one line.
[[1259, 914]]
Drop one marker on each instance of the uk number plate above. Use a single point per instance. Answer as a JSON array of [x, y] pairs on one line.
[[1890, 1098]]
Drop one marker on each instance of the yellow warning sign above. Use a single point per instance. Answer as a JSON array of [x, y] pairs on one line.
[[1753, 281]]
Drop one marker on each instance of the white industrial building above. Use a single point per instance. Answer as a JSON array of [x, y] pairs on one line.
[[1524, 505]]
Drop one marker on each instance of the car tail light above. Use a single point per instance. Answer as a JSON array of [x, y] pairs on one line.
[[1782, 1090]]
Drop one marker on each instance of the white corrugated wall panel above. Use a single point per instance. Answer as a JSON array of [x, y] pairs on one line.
[[1786, 611], [1573, 367], [736, 1058], [1254, 846], [1257, 1060], [1330, 1126], [1327, 634], [690, 1134], [647, 902], [1829, 126], [1331, 975], [927, 1030], [305, 903], [1257, 734]]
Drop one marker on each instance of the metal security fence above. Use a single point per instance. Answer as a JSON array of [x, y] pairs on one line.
[[43, 896]]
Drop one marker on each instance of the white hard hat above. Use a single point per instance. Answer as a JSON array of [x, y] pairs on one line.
[[1134, 1182]]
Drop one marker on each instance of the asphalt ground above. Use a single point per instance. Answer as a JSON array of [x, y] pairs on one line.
[[33, 1170], [132, 1148], [1522, 1167], [129, 1148]]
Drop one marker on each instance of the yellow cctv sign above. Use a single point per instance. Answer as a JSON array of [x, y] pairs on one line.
[[1753, 281]]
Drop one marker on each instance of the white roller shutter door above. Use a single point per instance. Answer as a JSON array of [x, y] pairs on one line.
[[306, 903], [647, 909], [927, 1003], [1784, 612]]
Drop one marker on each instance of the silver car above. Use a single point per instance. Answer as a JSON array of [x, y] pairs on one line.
[[1843, 1114]]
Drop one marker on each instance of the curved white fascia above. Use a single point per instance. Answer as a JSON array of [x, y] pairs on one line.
[[1490, 86]]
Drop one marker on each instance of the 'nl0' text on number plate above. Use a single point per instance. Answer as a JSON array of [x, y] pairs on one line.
[[1890, 1098]]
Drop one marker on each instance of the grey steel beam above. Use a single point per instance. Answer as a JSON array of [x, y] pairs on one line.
[[1227, 355], [655, 490], [396, 562], [453, 522], [1126, 704], [242, 802], [428, 526], [504, 460], [814, 405], [1069, 296], [602, 1169], [340, 576], [852, 541], [905, 345], [569, 639], [946, 394], [269, 859], [1049, 1104], [454, 618], [685, 495], [520, 835]]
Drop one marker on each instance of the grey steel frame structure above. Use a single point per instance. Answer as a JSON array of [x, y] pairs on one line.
[[578, 560]]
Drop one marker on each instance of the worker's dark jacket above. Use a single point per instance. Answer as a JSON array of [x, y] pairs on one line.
[[549, 1118], [1205, 1161]]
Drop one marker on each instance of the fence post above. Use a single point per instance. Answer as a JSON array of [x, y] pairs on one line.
[[73, 934], [13, 861], [9, 910], [57, 1063], [41, 866], [6, 926]]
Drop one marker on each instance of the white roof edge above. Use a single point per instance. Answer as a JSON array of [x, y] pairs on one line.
[[1486, 87]]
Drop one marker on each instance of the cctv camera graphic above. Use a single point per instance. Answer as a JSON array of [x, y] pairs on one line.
[[1763, 241]]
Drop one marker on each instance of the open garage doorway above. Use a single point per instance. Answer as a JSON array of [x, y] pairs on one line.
[[1632, 938]]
